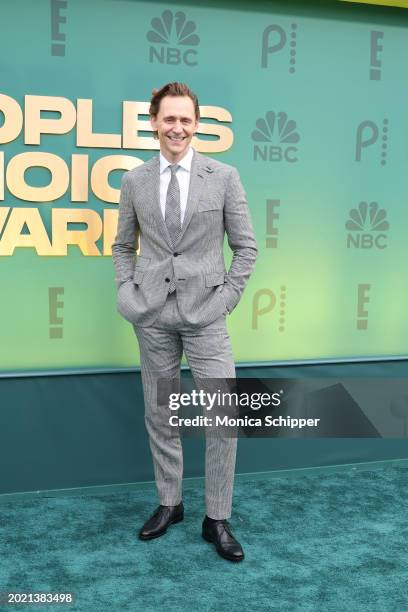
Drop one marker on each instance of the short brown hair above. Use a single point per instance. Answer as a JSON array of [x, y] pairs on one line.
[[172, 89]]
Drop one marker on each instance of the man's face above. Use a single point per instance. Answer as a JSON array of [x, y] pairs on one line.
[[175, 124]]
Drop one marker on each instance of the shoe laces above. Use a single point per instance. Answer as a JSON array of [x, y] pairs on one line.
[[227, 527], [158, 510]]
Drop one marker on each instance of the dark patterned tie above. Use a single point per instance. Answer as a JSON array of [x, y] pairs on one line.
[[173, 212]]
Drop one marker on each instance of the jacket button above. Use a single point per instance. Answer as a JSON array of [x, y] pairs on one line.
[[167, 280], [176, 254]]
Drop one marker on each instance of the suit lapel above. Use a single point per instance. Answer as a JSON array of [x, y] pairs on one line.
[[199, 173], [200, 170], [152, 193]]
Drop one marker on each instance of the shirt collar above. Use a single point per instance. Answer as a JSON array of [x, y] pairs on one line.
[[185, 162]]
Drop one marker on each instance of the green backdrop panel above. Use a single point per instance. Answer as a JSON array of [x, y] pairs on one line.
[[318, 104]]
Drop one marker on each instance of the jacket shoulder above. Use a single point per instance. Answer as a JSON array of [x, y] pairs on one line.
[[215, 165], [139, 171]]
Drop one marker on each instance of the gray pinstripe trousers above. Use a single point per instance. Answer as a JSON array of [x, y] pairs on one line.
[[209, 355]]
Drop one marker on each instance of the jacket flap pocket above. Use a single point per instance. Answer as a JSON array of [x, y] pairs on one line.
[[214, 279], [138, 276], [210, 204], [141, 261]]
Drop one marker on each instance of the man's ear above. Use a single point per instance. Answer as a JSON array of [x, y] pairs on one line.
[[153, 122]]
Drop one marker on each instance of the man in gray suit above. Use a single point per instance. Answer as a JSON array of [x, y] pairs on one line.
[[175, 210]]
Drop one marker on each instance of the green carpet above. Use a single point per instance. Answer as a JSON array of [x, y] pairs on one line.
[[331, 541]]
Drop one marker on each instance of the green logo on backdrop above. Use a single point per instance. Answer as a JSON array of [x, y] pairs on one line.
[[280, 132], [175, 32], [366, 222]]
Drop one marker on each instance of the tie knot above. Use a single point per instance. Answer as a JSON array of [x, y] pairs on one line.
[[173, 169]]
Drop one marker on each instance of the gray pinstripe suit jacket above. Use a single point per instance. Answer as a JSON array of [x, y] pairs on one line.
[[216, 205]]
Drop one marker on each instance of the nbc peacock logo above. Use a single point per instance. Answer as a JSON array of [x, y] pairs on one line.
[[367, 225], [278, 135], [173, 35]]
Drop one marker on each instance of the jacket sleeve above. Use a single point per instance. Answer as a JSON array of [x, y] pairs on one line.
[[127, 238], [241, 239]]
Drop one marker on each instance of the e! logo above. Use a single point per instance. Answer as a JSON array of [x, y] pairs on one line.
[[54, 306]]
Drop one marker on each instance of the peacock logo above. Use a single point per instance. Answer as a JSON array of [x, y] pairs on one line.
[[368, 219], [168, 33], [278, 125], [281, 132]]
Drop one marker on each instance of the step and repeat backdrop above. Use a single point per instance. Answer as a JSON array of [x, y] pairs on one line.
[[310, 106]]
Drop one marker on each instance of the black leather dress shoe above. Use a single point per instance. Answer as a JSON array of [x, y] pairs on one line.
[[219, 533], [161, 518]]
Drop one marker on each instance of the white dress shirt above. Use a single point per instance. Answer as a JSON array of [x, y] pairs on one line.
[[183, 177]]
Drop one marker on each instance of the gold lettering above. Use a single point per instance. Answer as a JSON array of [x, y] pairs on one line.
[[1, 175], [85, 136], [23, 227], [132, 125], [13, 119], [85, 239], [79, 178], [4, 210], [35, 125], [225, 134], [100, 175], [37, 237], [19, 188]]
